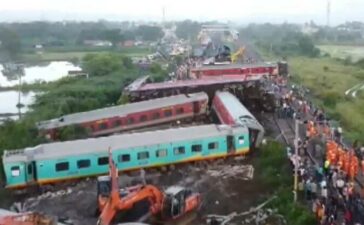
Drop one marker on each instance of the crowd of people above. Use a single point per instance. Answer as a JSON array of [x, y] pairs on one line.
[[326, 168]]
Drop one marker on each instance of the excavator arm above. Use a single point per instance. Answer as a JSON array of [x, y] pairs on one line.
[[115, 203]]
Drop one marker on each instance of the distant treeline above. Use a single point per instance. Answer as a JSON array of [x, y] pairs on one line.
[[293, 39]]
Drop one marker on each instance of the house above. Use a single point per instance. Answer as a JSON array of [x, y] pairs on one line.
[[97, 43], [128, 43]]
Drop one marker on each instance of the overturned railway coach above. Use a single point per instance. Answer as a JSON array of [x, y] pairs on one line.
[[260, 69], [60, 161], [251, 90], [130, 116], [231, 111]]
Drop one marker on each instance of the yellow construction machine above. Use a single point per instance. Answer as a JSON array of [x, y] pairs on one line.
[[238, 55]]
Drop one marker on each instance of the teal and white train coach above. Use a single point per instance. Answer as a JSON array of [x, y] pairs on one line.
[[54, 162]]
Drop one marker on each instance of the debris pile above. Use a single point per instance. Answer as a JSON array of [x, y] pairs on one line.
[[257, 216], [243, 172]]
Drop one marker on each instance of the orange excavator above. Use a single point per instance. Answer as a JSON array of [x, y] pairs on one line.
[[168, 205]]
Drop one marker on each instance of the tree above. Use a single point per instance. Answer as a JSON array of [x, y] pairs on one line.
[[101, 64], [128, 63], [10, 42], [150, 33], [157, 72], [114, 36], [307, 47], [73, 132], [188, 29]]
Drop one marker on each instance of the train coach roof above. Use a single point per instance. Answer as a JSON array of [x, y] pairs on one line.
[[120, 110], [232, 66], [233, 105], [196, 82], [60, 150]]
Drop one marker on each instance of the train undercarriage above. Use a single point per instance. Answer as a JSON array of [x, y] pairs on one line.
[[251, 93]]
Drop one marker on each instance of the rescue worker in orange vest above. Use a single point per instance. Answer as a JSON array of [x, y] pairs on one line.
[[341, 161], [351, 172]]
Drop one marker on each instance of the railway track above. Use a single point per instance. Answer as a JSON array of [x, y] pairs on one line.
[[287, 132]]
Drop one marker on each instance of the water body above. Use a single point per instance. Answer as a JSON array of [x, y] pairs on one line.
[[9, 100], [47, 72]]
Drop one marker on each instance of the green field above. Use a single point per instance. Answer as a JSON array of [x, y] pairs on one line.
[[328, 79], [78, 55], [343, 51]]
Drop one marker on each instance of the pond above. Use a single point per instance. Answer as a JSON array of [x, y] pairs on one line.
[[47, 72], [9, 101]]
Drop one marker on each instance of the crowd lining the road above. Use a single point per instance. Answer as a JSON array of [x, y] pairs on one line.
[[327, 169]]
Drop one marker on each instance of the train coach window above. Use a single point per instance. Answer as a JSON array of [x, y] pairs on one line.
[[130, 120], [83, 163], [124, 158], [30, 169], [103, 161], [161, 153], [63, 166], [143, 118], [117, 123], [241, 140], [143, 155], [180, 111], [168, 113], [102, 126], [15, 171], [179, 150], [213, 145], [196, 148], [155, 116]]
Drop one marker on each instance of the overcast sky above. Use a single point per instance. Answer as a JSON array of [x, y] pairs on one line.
[[241, 11]]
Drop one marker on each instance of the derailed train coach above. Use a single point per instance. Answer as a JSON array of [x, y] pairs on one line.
[[231, 111], [131, 116], [61, 161], [251, 90]]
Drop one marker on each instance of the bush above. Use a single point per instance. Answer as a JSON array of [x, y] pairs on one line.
[[330, 99]]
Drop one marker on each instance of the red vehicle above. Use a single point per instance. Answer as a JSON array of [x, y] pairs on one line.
[[262, 69], [131, 116]]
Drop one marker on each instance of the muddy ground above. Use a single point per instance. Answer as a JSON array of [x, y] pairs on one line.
[[225, 187]]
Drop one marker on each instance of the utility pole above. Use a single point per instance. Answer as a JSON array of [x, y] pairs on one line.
[[295, 185], [328, 12]]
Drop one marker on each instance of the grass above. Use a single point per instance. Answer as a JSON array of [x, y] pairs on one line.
[[274, 171], [344, 51], [328, 79], [59, 55]]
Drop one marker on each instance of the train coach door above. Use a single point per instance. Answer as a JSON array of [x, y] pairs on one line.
[[253, 134], [230, 144], [30, 172], [196, 107]]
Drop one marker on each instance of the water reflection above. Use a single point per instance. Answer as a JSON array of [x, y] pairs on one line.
[[48, 72], [9, 101]]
